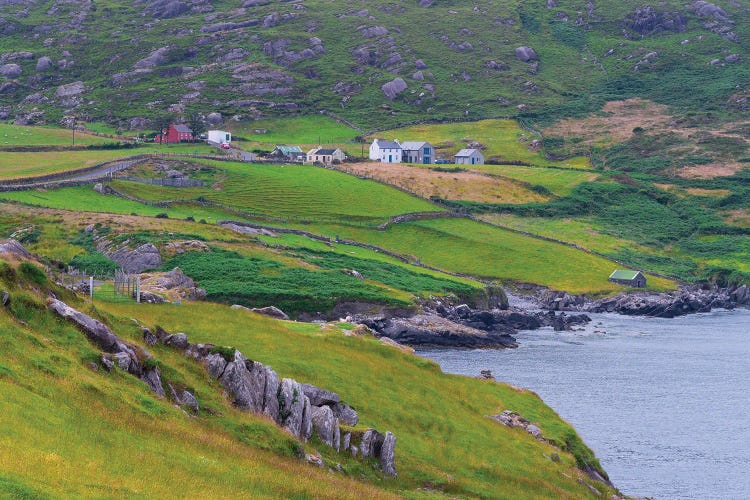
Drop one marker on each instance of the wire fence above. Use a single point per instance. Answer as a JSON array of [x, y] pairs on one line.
[[121, 287]]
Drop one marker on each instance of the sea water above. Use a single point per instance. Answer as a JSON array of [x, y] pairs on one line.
[[664, 403]]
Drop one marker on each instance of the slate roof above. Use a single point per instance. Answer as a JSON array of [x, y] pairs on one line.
[[621, 274], [466, 153], [183, 129], [412, 146], [388, 145], [324, 152]]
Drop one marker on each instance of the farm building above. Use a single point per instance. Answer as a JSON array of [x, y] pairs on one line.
[[385, 151], [174, 134], [629, 278], [288, 153], [325, 156], [219, 137], [418, 152], [469, 157]]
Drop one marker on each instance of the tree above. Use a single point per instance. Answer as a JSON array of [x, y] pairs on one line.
[[197, 123]]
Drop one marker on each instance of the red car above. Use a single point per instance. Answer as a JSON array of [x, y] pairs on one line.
[[225, 145]]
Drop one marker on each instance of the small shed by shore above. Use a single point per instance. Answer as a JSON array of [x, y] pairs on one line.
[[630, 278]]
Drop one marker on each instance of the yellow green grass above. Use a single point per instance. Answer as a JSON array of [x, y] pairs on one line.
[[500, 136], [17, 135], [558, 181], [468, 247], [14, 165], [307, 131], [70, 431]]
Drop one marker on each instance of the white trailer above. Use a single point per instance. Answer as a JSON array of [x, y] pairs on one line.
[[219, 137]]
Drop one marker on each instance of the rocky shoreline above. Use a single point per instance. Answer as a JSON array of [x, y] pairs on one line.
[[442, 324]]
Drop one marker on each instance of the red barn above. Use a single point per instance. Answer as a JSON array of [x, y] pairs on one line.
[[174, 134]]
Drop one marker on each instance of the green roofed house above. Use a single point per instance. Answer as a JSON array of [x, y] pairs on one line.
[[288, 153], [629, 278]]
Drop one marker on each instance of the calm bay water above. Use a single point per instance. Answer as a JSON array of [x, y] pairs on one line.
[[664, 403]]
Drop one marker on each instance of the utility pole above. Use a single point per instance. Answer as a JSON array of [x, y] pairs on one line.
[[74, 130]]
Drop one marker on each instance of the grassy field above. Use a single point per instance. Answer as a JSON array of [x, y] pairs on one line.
[[464, 246], [500, 137], [303, 130], [15, 165], [291, 192], [62, 419], [17, 135], [560, 182]]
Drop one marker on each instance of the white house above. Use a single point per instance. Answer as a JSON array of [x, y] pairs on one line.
[[469, 157], [325, 156], [385, 151], [219, 137], [418, 152]]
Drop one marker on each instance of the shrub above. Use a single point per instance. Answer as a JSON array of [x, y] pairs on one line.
[[32, 273], [162, 215]]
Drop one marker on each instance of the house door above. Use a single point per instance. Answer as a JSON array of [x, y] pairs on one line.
[[427, 160], [390, 158], [473, 160]]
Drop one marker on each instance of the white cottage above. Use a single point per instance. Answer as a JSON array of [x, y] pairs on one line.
[[385, 151], [325, 156], [469, 157]]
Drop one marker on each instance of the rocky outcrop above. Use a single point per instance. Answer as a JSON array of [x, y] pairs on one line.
[[302, 409], [130, 358], [649, 21], [135, 260], [512, 419], [666, 305], [13, 247]]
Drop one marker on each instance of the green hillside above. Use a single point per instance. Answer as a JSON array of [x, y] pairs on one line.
[[457, 59]]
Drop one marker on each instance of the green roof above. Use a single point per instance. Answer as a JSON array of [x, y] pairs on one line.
[[621, 274], [289, 149]]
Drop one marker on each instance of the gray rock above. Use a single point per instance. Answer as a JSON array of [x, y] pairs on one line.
[[178, 340], [388, 454], [419, 64], [354, 451], [732, 58], [43, 64], [184, 398], [13, 247], [99, 188], [152, 377], [107, 363], [136, 260], [70, 90], [369, 445], [215, 365], [337, 436], [10, 70], [148, 336], [271, 311], [526, 54], [155, 58], [214, 118], [246, 382], [374, 31], [394, 88], [5, 298], [291, 405], [346, 441], [306, 428], [324, 424], [139, 123], [271, 395], [419, 76], [345, 414], [320, 397]]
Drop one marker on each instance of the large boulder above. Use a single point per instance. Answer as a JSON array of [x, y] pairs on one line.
[[394, 88], [13, 247], [272, 312], [152, 377], [320, 397], [345, 413], [70, 90], [155, 58], [526, 54], [306, 429], [136, 260], [324, 424], [214, 119], [10, 70], [43, 64], [271, 395]]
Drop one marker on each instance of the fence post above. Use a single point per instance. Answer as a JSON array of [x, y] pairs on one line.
[[91, 287], [138, 289]]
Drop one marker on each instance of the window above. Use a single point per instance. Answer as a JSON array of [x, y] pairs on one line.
[[427, 150]]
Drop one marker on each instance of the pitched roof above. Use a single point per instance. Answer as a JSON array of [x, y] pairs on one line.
[[324, 152], [621, 274], [412, 145], [467, 152], [289, 149], [388, 144], [183, 129]]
